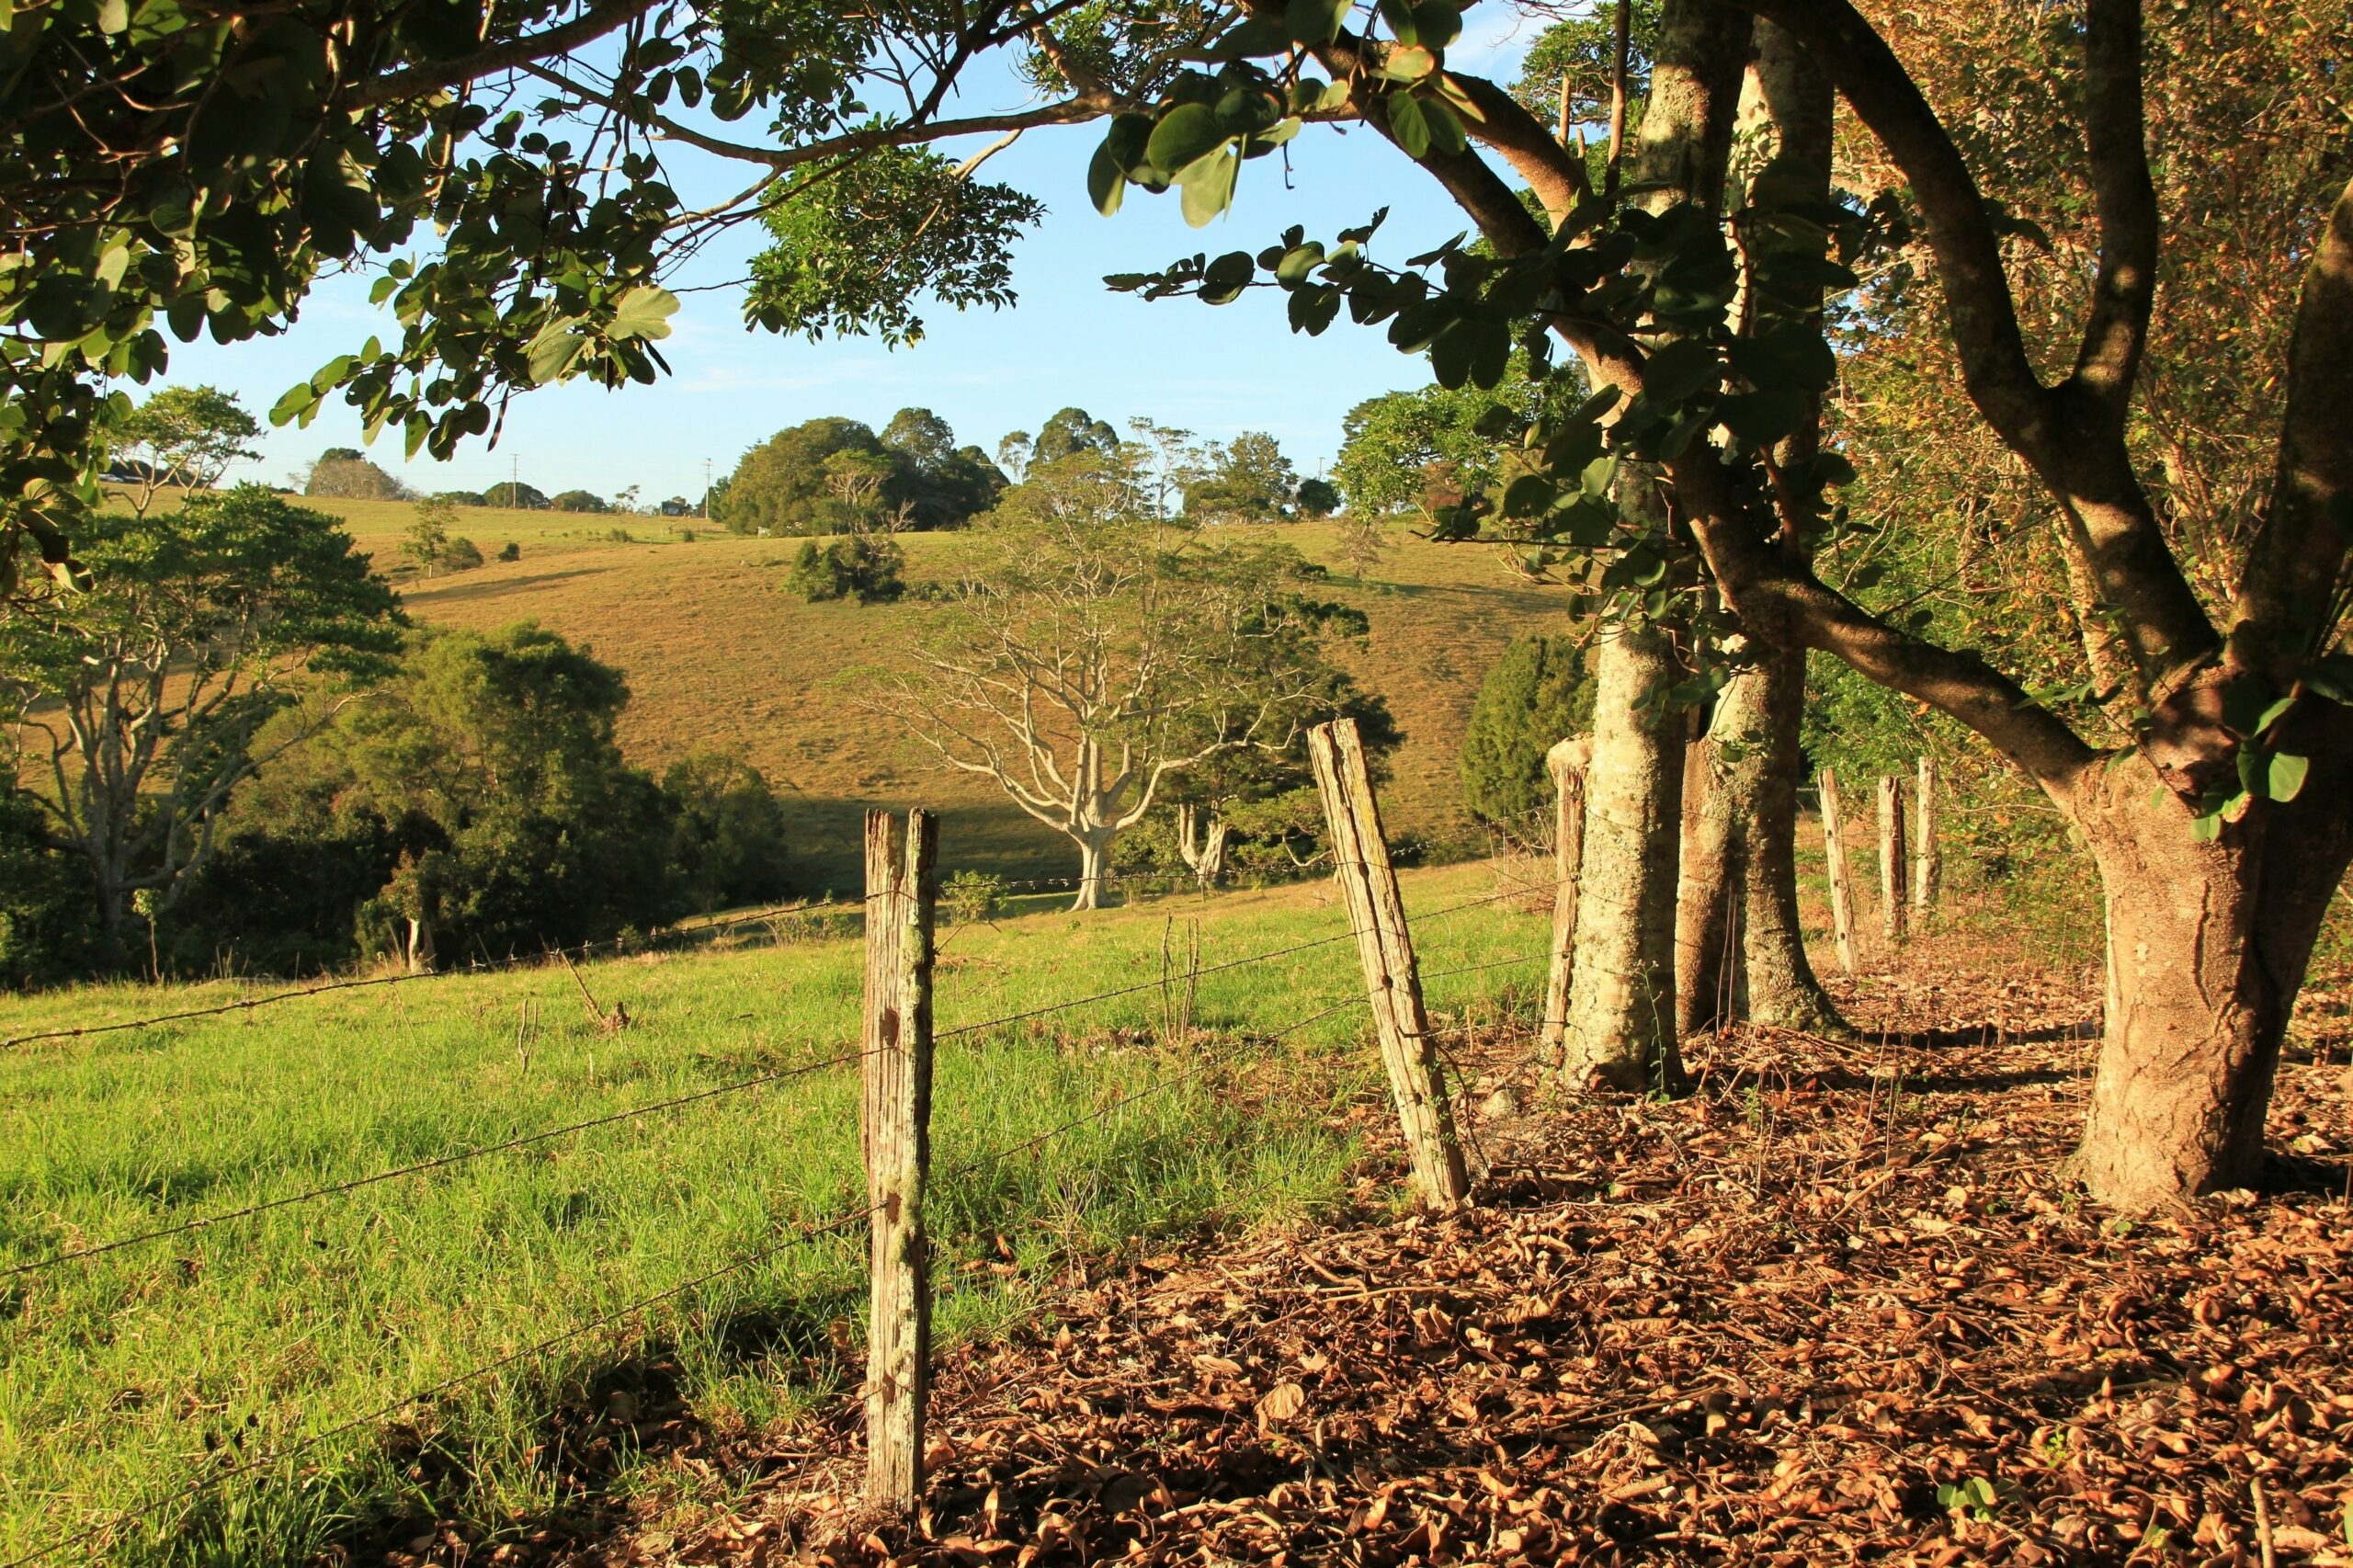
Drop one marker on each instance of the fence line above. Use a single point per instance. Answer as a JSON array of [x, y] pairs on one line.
[[804, 1233], [582, 949], [493, 966], [801, 1070], [437, 1163]]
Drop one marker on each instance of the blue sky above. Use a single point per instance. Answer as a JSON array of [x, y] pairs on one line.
[[1069, 340]]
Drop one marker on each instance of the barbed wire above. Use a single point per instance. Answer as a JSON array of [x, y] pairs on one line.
[[619, 945], [440, 1162], [802, 1233]]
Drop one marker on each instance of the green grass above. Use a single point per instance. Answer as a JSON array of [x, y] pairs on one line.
[[127, 1375]]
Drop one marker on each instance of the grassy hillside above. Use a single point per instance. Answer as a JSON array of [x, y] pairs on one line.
[[717, 654], [128, 1374]]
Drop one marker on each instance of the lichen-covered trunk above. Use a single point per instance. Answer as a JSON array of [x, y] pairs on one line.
[[1621, 991], [1740, 952], [2207, 944], [1094, 865]]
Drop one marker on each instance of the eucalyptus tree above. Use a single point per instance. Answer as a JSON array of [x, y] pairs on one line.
[[1092, 655]]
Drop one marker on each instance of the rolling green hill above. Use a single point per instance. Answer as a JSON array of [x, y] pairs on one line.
[[718, 654]]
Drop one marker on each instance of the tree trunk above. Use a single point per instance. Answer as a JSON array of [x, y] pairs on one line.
[[1094, 865], [420, 946], [1621, 990], [1202, 846], [1709, 875], [2207, 945], [1739, 950], [1765, 708]]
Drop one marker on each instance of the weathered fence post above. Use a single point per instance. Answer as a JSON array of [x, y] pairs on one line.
[[902, 892], [1891, 857], [1378, 917], [1834, 860], [1924, 843], [1566, 762]]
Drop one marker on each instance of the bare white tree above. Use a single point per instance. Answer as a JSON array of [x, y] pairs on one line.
[[1091, 654]]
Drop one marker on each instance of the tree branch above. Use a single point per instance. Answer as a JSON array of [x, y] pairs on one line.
[[2292, 593], [419, 80], [2116, 132]]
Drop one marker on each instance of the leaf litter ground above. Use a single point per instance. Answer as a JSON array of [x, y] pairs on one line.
[[1835, 1306]]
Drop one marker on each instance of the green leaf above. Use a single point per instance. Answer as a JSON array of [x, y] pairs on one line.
[[1528, 495], [1106, 182], [2286, 778], [1409, 62], [1436, 24], [645, 312], [114, 16], [1208, 187], [553, 353], [1676, 370], [1185, 135], [1446, 127], [1315, 21], [1224, 279], [1408, 124]]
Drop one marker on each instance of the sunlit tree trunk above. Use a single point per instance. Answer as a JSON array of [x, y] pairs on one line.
[[2207, 947], [1621, 988]]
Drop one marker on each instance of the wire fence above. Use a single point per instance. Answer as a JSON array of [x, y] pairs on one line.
[[797, 1234]]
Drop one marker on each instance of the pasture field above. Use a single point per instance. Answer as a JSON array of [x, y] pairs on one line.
[[133, 1374], [717, 653]]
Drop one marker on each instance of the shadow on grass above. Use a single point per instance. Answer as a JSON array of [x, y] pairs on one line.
[[605, 1421]]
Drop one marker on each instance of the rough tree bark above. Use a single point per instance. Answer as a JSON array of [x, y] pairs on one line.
[[2207, 946], [1621, 987]]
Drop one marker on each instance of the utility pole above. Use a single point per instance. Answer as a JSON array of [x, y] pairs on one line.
[[705, 510]]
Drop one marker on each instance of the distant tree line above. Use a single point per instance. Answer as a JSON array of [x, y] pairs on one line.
[[835, 475]]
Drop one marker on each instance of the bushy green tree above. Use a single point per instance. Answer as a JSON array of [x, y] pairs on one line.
[[428, 541], [1422, 450], [1070, 431], [1247, 480], [781, 486], [1317, 497], [940, 484], [48, 929], [494, 752], [352, 478], [182, 436], [579, 501], [862, 567], [1540, 693], [728, 842], [516, 495], [150, 693]]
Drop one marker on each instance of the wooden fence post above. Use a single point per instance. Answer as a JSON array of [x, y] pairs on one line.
[[1385, 948], [1924, 843], [1892, 859], [1834, 859], [1566, 762], [902, 894]]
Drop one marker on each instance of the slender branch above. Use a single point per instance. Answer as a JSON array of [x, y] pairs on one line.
[[420, 80]]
